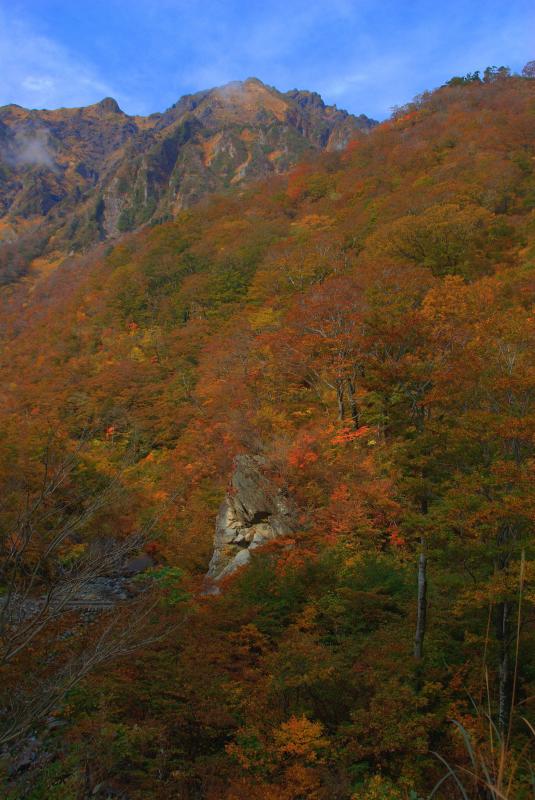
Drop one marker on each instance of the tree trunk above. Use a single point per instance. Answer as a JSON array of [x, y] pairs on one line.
[[353, 403], [422, 604], [504, 635], [340, 398]]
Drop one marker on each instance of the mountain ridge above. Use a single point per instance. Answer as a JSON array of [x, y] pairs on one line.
[[78, 175]]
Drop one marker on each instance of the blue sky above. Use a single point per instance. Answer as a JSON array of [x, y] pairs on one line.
[[363, 55]]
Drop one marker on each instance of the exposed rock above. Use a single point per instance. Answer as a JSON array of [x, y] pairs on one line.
[[96, 594], [25, 760], [137, 565], [255, 511], [99, 593], [110, 105], [86, 174]]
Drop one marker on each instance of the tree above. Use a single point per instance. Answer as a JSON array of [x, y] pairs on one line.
[[529, 70], [491, 74], [446, 238], [326, 341], [470, 77], [484, 393], [47, 561]]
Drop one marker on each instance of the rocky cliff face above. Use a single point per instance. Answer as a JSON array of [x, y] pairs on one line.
[[86, 174], [253, 513]]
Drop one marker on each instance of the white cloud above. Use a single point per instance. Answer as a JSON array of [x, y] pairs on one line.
[[34, 83], [38, 72]]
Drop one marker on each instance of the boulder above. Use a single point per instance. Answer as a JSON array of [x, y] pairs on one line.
[[255, 511], [136, 565]]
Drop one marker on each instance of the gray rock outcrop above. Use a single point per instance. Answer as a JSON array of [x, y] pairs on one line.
[[255, 511]]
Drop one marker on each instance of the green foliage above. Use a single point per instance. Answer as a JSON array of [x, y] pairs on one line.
[[59, 780], [169, 579], [470, 77]]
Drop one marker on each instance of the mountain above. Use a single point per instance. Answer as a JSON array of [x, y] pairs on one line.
[[320, 390], [80, 175]]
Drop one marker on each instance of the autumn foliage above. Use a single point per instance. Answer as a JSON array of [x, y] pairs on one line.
[[366, 323]]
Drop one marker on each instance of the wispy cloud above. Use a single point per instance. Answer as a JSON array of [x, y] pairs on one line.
[[40, 72], [364, 55]]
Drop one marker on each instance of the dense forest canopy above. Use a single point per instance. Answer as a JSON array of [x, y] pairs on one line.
[[364, 327]]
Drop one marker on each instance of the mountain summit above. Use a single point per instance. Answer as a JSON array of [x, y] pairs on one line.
[[84, 174]]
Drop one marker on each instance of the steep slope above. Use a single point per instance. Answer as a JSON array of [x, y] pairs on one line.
[[363, 329], [79, 175]]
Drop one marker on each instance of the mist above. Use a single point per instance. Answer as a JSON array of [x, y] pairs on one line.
[[32, 151]]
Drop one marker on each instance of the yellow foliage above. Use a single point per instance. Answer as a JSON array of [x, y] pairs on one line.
[[137, 354], [264, 318], [300, 738]]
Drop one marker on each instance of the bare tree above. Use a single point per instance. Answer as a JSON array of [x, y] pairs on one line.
[[121, 634], [39, 587]]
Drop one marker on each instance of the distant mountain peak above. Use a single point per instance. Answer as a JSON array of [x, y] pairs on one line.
[[110, 105], [90, 173]]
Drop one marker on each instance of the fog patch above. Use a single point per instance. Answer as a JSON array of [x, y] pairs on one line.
[[236, 89], [34, 152], [31, 151]]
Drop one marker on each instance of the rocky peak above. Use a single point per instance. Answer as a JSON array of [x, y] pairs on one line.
[[110, 105], [306, 99], [107, 172]]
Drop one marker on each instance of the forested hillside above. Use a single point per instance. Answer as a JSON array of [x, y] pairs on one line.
[[363, 329]]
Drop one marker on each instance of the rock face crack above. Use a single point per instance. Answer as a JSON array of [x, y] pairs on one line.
[[254, 512]]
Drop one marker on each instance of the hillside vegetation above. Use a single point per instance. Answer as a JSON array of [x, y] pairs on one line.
[[365, 324]]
